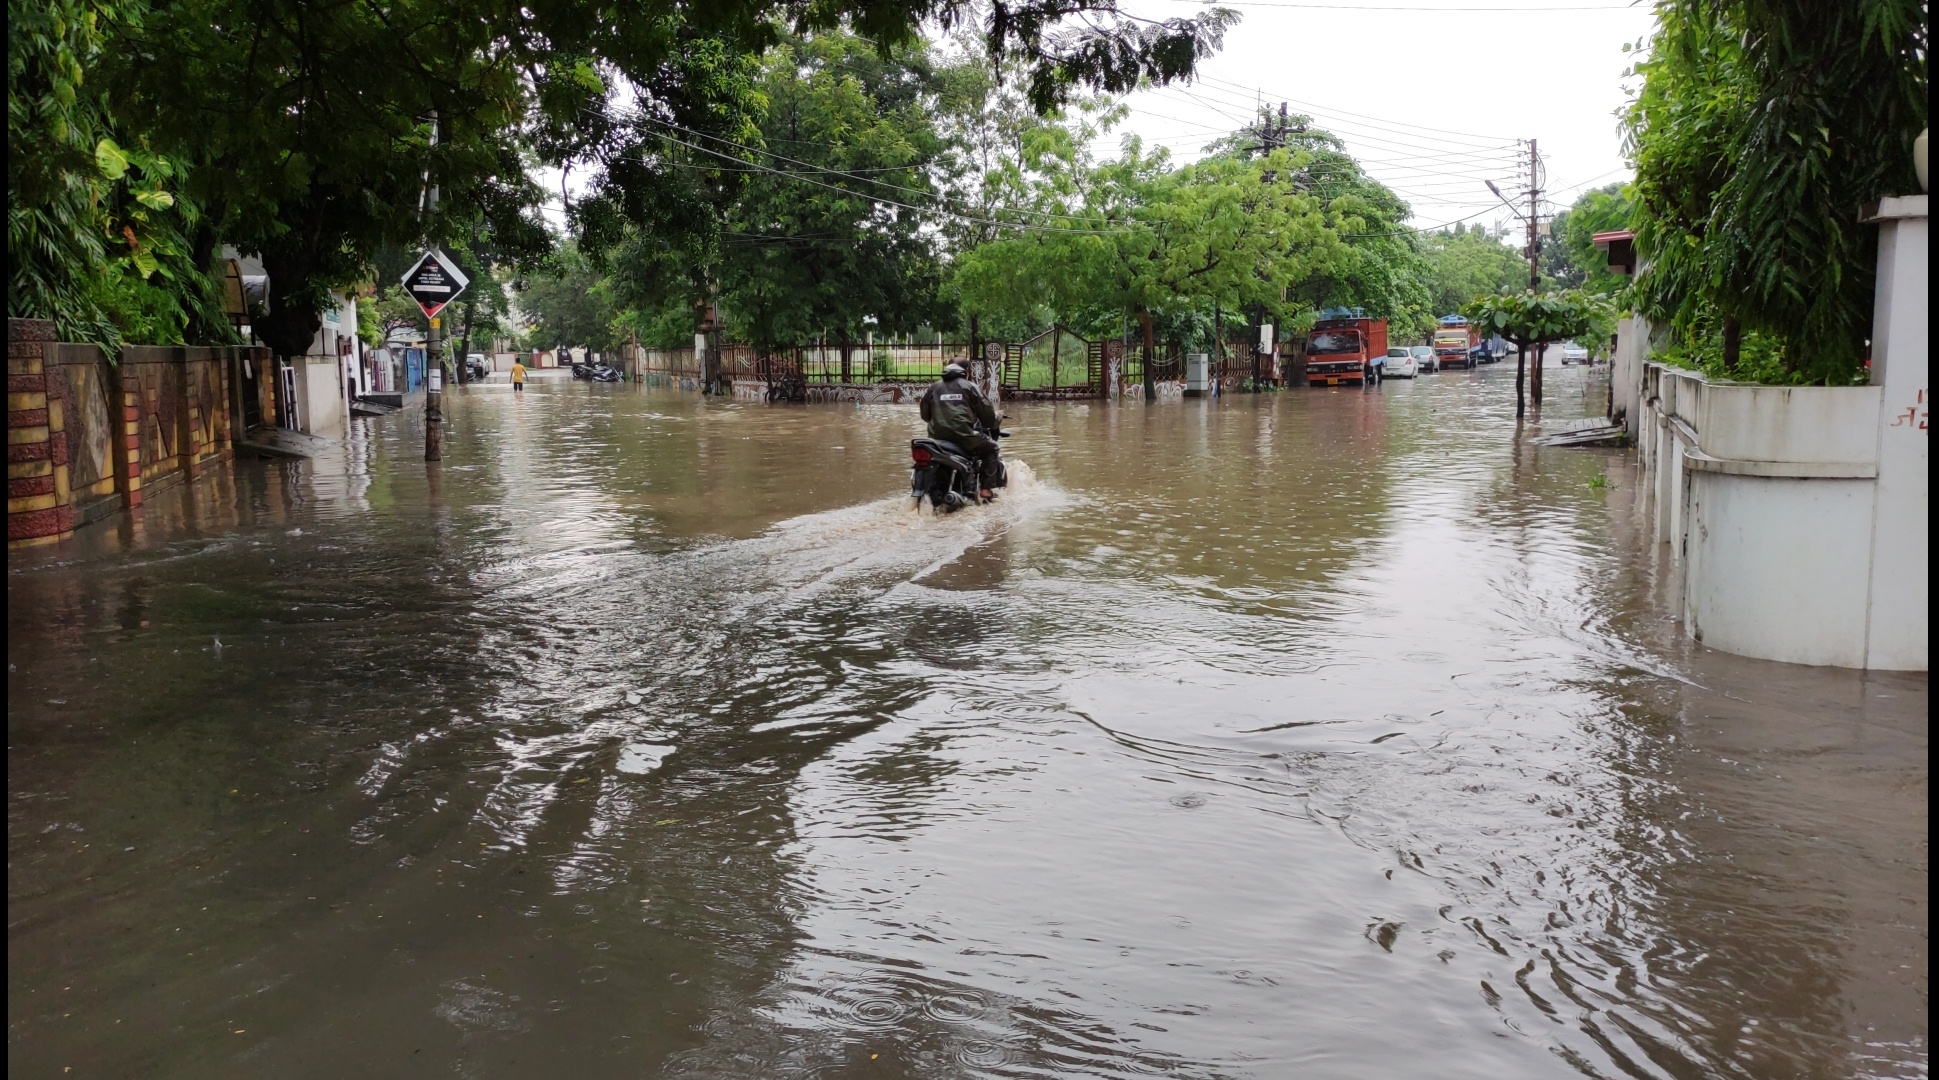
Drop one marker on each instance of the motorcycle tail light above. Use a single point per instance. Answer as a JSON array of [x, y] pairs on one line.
[[921, 454]]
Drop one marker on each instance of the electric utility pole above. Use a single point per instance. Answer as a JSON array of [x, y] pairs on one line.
[[1535, 259], [1272, 136], [1533, 219]]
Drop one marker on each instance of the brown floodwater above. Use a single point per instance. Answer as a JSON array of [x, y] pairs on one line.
[[1327, 733]]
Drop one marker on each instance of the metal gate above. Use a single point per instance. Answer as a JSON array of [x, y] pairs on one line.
[[1048, 366]]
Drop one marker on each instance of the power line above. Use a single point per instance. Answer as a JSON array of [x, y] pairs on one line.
[[1345, 127], [1428, 133], [877, 198], [1319, 109], [1411, 8], [838, 172]]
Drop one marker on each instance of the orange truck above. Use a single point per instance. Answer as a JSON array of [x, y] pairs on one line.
[[1455, 340], [1344, 349]]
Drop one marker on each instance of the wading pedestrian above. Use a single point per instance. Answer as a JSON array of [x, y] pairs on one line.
[[518, 376]]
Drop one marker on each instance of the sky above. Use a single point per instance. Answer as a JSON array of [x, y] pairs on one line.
[[1430, 95]]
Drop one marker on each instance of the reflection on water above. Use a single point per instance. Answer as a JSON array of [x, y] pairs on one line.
[[1326, 733]]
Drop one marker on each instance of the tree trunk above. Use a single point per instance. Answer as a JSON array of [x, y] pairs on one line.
[[464, 344], [1521, 378], [1218, 338], [1151, 377], [1733, 343]]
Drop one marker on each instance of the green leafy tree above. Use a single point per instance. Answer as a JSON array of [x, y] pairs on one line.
[[94, 228], [1569, 258], [568, 302], [1533, 320], [1383, 270], [1138, 238], [1464, 263], [1760, 130], [393, 316], [836, 237], [307, 129]]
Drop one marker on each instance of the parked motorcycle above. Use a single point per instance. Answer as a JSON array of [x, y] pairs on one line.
[[598, 371], [946, 476]]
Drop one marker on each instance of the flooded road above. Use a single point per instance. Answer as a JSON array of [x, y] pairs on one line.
[[1325, 734]]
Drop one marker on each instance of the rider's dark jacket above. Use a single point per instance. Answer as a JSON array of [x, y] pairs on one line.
[[953, 408]]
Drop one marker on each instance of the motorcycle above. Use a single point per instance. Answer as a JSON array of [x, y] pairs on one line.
[[595, 372], [947, 476]]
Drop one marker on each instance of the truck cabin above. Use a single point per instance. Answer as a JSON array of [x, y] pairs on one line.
[[1334, 343]]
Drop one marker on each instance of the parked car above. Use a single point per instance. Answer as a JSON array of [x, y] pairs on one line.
[[1424, 358], [476, 369], [1401, 363], [1574, 354]]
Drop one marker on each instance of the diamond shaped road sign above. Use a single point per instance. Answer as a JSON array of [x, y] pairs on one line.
[[434, 282]]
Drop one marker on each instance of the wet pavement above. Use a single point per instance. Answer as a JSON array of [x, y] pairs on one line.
[[1327, 733]]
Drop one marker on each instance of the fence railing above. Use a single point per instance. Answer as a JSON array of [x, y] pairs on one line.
[[826, 364], [1052, 363]]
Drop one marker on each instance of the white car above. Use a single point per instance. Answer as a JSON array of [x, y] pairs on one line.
[[1401, 364], [1424, 358], [1574, 354]]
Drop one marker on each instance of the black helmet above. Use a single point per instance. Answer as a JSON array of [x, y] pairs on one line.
[[955, 371]]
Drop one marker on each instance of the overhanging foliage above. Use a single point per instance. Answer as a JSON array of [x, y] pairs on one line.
[[1761, 128]]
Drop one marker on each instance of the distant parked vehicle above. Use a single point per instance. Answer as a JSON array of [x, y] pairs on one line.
[[1424, 358], [1401, 363], [1455, 340], [476, 369], [1574, 354]]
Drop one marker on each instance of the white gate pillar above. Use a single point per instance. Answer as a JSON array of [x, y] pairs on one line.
[[1895, 637]]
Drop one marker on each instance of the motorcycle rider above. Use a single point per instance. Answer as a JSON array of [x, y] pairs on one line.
[[957, 412]]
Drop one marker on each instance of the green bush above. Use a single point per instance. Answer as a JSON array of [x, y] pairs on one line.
[[1761, 359]]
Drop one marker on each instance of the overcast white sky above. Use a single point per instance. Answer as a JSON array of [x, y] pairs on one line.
[[1430, 95]]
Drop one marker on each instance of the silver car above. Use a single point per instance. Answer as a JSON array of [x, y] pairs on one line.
[[1401, 364], [1574, 354], [1424, 358]]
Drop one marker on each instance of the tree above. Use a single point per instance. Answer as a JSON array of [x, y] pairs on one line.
[[1383, 270], [94, 228], [1533, 320], [837, 237], [568, 303], [1136, 237], [1760, 129], [1573, 261], [390, 313], [1463, 264], [307, 130]]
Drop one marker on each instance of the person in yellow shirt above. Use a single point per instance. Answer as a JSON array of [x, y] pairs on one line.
[[518, 376]]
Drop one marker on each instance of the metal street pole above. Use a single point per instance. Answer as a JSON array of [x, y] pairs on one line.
[[433, 343]]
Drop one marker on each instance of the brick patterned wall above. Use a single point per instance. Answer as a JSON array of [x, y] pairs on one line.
[[39, 508], [155, 418]]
